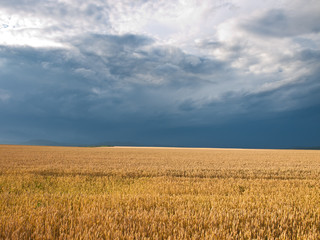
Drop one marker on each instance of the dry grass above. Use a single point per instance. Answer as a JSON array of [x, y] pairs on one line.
[[158, 193]]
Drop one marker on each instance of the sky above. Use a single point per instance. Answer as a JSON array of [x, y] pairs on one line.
[[190, 73]]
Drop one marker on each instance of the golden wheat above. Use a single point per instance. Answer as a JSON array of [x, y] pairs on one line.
[[158, 193]]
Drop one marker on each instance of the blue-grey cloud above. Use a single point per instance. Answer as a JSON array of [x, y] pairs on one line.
[[282, 23], [99, 84]]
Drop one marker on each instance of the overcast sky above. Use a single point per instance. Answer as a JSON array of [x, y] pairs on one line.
[[205, 73]]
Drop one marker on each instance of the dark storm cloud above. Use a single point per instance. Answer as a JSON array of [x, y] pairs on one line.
[[94, 79], [112, 76], [133, 59], [112, 83], [103, 85]]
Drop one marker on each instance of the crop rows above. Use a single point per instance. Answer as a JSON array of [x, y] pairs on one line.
[[158, 193]]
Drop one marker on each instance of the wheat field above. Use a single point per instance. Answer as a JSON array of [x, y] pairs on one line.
[[158, 193]]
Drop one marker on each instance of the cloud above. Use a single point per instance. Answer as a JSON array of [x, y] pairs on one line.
[[153, 64], [4, 95], [96, 80], [281, 23], [50, 23]]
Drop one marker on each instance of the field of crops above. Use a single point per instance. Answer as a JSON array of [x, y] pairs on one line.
[[158, 193]]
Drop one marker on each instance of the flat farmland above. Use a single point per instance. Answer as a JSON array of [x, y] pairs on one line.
[[158, 193]]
